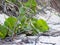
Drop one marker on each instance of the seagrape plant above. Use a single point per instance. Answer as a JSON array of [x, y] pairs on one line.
[[25, 22]]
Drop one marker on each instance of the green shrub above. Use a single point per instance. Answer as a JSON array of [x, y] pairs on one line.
[[25, 22], [3, 31]]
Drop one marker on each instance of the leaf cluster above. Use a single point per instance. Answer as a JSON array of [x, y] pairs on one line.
[[25, 22]]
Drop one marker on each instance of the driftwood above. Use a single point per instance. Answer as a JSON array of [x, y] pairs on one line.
[[55, 4], [8, 10]]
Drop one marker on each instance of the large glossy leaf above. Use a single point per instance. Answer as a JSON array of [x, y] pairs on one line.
[[10, 23], [41, 25], [3, 31], [22, 10], [13, 1], [31, 4], [22, 19]]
